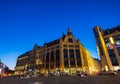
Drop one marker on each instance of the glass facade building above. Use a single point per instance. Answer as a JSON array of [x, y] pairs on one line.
[[108, 43]]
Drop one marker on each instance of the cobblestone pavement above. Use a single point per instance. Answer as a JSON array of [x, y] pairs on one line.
[[62, 80]]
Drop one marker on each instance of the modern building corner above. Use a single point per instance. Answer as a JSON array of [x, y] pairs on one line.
[[108, 45]]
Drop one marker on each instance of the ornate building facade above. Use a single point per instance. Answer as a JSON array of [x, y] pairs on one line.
[[108, 45], [65, 54]]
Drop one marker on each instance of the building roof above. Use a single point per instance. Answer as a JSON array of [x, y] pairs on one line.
[[112, 30], [24, 54], [52, 43]]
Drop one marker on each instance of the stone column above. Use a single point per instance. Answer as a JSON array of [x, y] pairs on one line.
[[75, 59], [61, 56], [55, 60]]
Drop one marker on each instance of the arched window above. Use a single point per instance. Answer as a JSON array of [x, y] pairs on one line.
[[70, 40]]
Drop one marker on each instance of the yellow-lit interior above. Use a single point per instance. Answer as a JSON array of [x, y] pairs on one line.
[[111, 40]]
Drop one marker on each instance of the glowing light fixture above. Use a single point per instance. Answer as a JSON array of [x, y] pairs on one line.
[[116, 68], [111, 40], [106, 68], [0, 70]]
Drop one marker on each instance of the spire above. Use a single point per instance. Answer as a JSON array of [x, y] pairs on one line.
[[35, 46], [69, 31]]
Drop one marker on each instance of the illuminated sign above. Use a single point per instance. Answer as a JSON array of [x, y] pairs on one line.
[[117, 43], [111, 40], [111, 47]]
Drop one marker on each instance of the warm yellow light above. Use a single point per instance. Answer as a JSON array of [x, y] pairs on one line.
[[37, 61], [111, 40]]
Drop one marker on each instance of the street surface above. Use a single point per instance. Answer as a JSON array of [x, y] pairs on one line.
[[107, 79]]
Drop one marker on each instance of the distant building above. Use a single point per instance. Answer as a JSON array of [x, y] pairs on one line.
[[3, 71], [65, 54], [108, 45]]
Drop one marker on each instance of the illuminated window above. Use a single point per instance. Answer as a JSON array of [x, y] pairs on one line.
[[111, 40], [117, 43]]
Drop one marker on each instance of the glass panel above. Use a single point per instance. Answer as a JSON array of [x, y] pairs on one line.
[[118, 50], [78, 62], [65, 51], [66, 62], [77, 53], [117, 37], [112, 57], [71, 51], [72, 62]]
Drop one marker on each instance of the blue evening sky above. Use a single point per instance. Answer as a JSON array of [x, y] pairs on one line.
[[26, 22]]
